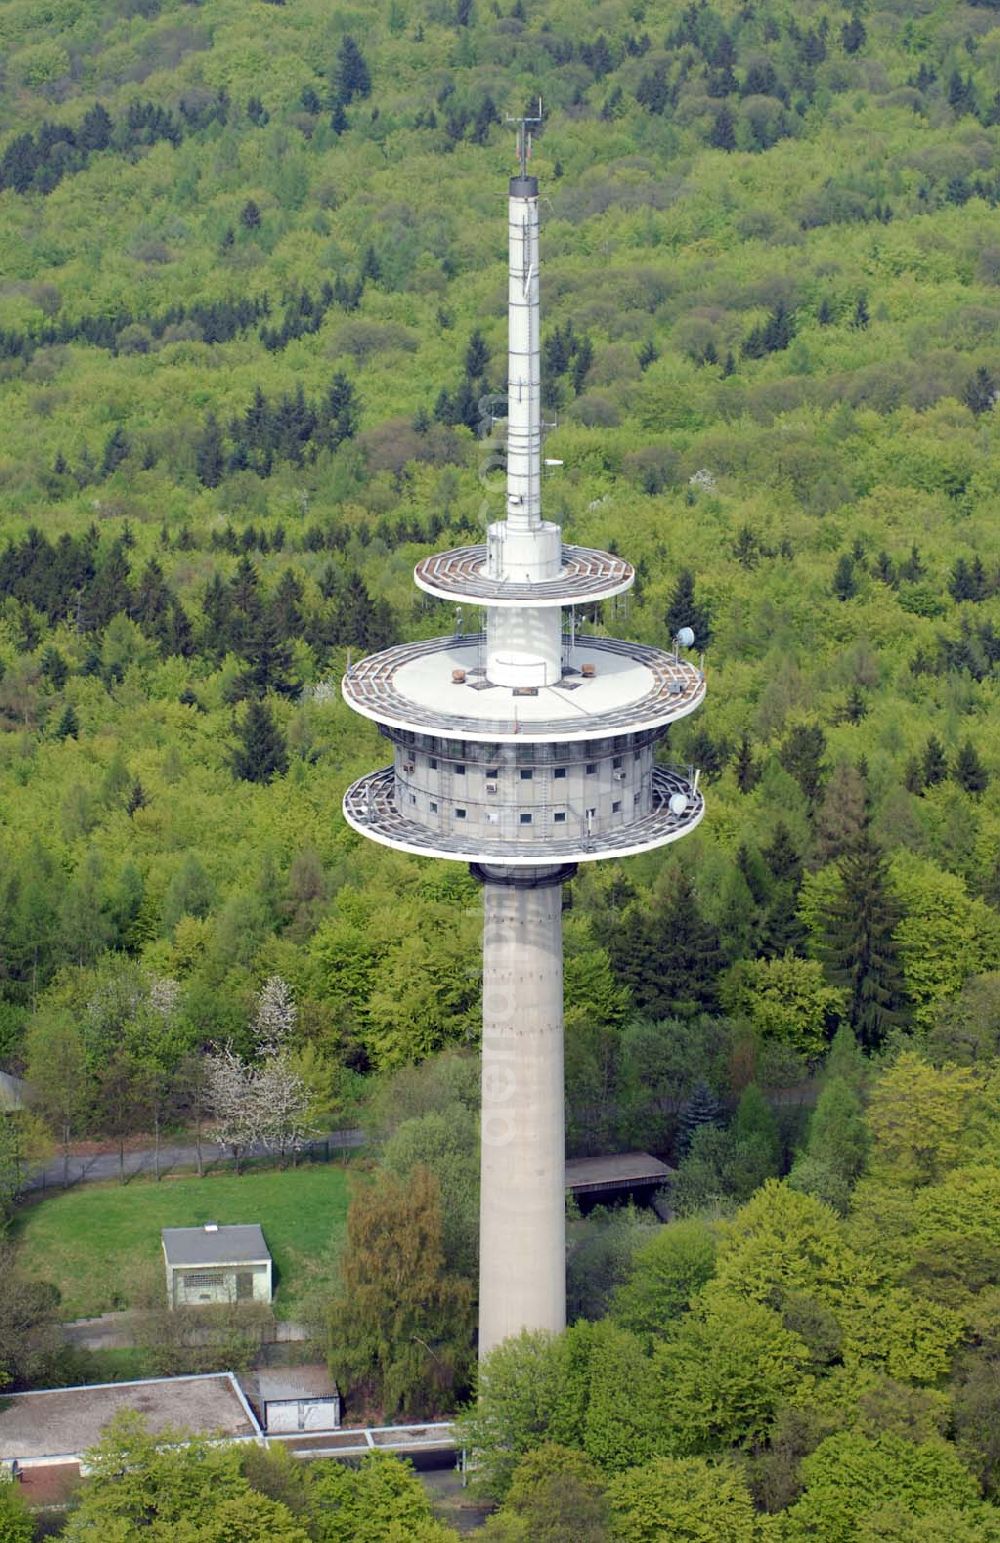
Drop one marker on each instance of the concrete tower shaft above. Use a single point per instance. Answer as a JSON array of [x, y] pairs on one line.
[[522, 1229]]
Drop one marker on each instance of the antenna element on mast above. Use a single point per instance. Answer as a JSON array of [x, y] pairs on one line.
[[524, 126]]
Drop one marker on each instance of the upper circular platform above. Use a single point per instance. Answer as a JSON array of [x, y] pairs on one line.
[[370, 808], [586, 576], [439, 687]]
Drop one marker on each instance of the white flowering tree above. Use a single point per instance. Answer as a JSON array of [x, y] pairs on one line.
[[275, 1015], [282, 1100], [230, 1100], [265, 1102]]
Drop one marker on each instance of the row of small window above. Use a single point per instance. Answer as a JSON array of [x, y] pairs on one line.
[[558, 815], [526, 773]]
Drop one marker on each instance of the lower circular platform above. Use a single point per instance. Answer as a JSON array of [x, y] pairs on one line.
[[370, 808]]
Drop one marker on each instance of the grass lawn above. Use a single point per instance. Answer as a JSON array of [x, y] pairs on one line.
[[99, 1243]]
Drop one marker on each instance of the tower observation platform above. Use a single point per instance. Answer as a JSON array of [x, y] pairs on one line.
[[524, 749]]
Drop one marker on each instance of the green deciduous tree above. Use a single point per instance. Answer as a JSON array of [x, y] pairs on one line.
[[556, 1496], [382, 1500], [919, 1116], [725, 1369], [786, 999], [850, 1479], [687, 1499], [668, 1270], [400, 1327], [519, 1389], [837, 1149]]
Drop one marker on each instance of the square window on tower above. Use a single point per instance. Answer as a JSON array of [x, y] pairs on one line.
[[526, 819], [591, 768], [560, 771], [460, 814], [526, 775], [560, 817]]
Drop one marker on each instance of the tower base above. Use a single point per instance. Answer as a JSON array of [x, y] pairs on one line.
[[522, 1240]]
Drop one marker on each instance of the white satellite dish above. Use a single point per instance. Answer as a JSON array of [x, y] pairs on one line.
[[685, 637], [678, 803]]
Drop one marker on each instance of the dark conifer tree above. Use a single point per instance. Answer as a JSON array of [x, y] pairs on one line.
[[913, 777], [669, 957], [859, 946], [980, 394], [802, 755], [352, 77], [477, 356], [209, 456], [702, 1108], [969, 772], [286, 603], [853, 35], [116, 449], [55, 670], [861, 313], [109, 593], [747, 770], [685, 611], [95, 130], [722, 135], [69, 725], [581, 364], [935, 762], [845, 585], [260, 753], [913, 568]]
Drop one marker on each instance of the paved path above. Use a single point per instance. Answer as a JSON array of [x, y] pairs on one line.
[[105, 1165]]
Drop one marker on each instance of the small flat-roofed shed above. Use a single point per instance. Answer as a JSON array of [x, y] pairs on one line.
[[298, 1398], [623, 1170], [216, 1264], [60, 1424]]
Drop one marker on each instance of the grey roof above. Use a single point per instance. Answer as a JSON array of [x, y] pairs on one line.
[[219, 1245], [280, 1383], [63, 1422]]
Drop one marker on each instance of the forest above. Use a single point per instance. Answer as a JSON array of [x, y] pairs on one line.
[[252, 347]]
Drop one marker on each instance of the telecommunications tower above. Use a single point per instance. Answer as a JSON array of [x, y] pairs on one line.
[[523, 749]]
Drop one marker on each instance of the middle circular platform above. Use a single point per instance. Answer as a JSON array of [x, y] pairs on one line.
[[586, 576], [440, 687]]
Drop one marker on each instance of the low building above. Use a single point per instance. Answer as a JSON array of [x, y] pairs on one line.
[[213, 1264], [298, 1399], [54, 1427]]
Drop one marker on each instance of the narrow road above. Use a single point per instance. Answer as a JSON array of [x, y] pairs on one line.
[[92, 1167]]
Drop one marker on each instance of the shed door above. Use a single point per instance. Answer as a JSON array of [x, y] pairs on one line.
[[244, 1285]]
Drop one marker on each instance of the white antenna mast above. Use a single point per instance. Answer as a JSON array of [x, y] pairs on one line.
[[524, 127]]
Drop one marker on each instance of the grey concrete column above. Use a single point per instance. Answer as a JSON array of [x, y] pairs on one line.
[[522, 1226]]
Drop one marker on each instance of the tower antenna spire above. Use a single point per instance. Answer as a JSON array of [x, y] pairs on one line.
[[524, 127]]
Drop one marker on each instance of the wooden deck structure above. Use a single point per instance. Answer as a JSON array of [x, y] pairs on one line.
[[623, 1170]]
